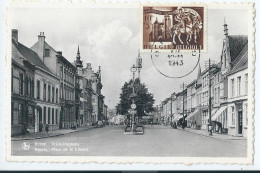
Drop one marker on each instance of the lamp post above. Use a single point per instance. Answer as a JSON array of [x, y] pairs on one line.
[[139, 64], [208, 63], [171, 109], [133, 70]]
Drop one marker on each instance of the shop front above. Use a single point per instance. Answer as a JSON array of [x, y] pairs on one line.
[[238, 119]]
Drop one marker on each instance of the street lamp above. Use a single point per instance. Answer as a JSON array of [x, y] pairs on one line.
[[139, 64], [133, 95]]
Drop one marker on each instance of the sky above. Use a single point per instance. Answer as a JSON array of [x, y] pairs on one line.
[[110, 37]]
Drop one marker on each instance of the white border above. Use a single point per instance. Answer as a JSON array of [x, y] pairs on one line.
[[251, 92]]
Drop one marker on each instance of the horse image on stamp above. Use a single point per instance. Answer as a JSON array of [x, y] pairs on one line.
[[175, 27]]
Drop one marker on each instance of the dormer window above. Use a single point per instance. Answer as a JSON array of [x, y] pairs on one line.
[[47, 52]]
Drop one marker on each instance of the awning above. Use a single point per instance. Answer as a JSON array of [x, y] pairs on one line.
[[177, 117], [192, 114], [215, 116]]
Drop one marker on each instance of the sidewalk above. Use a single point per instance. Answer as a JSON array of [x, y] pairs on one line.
[[40, 135], [225, 137]]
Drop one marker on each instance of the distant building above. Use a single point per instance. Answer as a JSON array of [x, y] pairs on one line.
[[105, 108]]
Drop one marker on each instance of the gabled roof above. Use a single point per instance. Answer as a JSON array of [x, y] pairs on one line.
[[30, 55], [236, 44], [241, 61]]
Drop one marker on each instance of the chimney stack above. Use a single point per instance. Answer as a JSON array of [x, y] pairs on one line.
[[59, 52], [41, 41], [89, 66], [41, 37], [15, 35]]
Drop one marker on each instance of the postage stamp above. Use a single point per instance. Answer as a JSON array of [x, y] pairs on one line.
[[130, 82], [174, 28]]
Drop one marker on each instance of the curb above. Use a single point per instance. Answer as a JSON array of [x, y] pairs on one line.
[[27, 139], [230, 141]]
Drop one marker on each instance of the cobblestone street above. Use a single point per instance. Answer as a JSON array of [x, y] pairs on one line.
[[110, 141]]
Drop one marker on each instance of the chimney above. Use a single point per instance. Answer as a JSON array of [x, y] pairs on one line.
[[89, 66], [15, 35], [59, 53], [41, 40]]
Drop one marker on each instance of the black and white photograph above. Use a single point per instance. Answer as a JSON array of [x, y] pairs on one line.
[[123, 83]]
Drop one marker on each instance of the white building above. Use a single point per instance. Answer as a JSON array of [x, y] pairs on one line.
[[238, 95]]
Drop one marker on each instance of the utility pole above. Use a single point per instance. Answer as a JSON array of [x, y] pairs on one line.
[[210, 130], [171, 109], [183, 120]]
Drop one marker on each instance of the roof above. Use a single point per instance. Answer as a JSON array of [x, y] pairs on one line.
[[236, 44], [241, 61], [191, 83], [30, 55]]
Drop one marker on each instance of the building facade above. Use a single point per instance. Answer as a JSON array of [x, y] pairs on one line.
[[38, 86], [22, 89], [66, 72]]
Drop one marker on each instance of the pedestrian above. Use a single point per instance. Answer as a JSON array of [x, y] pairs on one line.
[[47, 128]]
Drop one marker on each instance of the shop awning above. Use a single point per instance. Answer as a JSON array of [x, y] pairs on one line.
[[192, 114], [215, 116], [177, 117]]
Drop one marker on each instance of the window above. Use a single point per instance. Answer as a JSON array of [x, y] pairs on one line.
[[233, 115], [44, 116], [28, 87], [61, 72], [49, 115], [56, 117], [44, 92], [17, 113], [61, 92], [52, 116], [57, 94], [232, 88], [49, 93], [21, 82], [53, 94], [238, 85], [38, 89], [81, 104], [15, 82], [215, 95], [246, 83], [32, 92], [47, 52]]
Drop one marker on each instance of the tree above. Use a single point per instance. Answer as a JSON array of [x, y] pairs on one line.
[[144, 100]]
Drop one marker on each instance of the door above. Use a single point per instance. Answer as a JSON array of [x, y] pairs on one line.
[[240, 122], [40, 119]]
